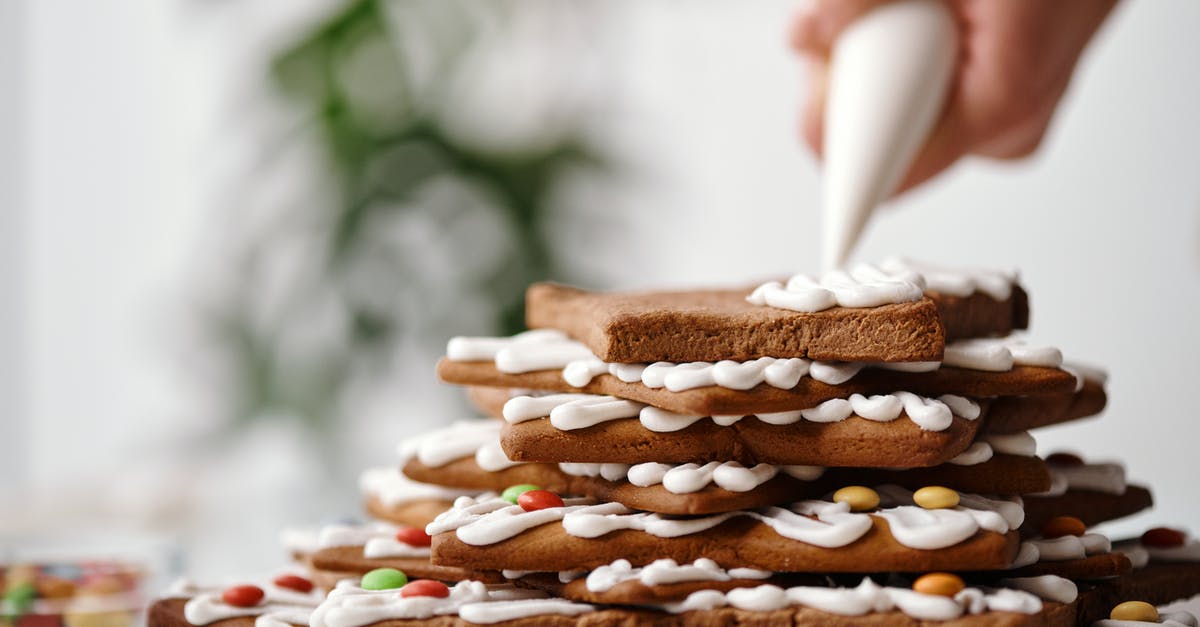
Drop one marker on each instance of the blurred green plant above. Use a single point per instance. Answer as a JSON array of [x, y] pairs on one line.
[[374, 81]]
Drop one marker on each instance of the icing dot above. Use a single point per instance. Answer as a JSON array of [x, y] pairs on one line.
[[859, 498], [294, 582], [243, 596], [1134, 610], [383, 579], [941, 584], [511, 493], [936, 497], [1060, 526], [1163, 538], [1064, 459], [412, 536], [534, 500], [425, 588]]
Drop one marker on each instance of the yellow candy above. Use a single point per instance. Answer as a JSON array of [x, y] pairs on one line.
[[941, 584], [935, 497], [859, 498], [1134, 610]]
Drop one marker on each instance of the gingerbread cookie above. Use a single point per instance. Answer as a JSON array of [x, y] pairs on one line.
[[391, 496], [1094, 493], [472, 459], [351, 550], [1157, 583], [962, 532], [286, 599], [548, 360], [897, 430]]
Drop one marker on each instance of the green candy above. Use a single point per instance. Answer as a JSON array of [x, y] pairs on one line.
[[20, 598], [383, 579], [511, 493]]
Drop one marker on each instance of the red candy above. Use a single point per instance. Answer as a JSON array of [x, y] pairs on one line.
[[294, 582], [1064, 459], [243, 596], [413, 536], [425, 588], [1163, 538], [534, 500]]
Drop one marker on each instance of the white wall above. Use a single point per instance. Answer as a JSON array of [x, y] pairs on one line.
[[132, 116]]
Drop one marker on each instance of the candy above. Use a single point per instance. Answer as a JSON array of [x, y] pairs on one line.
[[859, 498], [243, 596], [534, 500], [294, 582], [1134, 610], [1164, 538], [383, 579], [413, 536], [425, 588], [936, 497], [511, 493], [941, 584], [1064, 459], [20, 597], [1060, 526]]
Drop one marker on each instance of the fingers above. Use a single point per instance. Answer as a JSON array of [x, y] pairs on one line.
[[812, 111], [818, 23]]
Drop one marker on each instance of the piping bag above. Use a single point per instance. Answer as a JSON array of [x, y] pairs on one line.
[[889, 76]]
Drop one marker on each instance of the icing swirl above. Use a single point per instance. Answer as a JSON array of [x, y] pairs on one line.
[[666, 571], [350, 606], [279, 606], [862, 286]]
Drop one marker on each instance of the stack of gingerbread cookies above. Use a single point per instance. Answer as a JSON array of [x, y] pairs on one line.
[[852, 450]]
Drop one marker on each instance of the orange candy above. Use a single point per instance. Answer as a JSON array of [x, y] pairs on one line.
[[1060, 526], [1163, 538], [534, 500], [941, 584], [413, 536], [425, 588]]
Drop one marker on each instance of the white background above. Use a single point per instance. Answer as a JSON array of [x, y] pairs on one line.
[[128, 116]]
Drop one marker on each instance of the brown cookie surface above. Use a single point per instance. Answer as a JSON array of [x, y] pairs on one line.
[[852, 442], [1156, 584], [736, 543], [409, 514], [349, 560], [169, 613], [1002, 474], [711, 325], [1090, 507]]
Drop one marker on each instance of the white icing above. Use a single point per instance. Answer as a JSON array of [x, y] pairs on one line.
[[1061, 548], [820, 523], [977, 453], [350, 606], [391, 487], [1104, 477], [492, 458], [1048, 587], [300, 540], [440, 447], [1189, 551], [580, 411], [666, 571], [866, 598], [1021, 443], [381, 548], [956, 281], [862, 286], [999, 354], [341, 534], [554, 350], [279, 606]]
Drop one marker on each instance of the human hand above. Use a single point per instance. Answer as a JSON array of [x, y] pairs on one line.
[[1016, 62]]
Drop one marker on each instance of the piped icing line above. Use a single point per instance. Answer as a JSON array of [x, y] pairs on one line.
[[868, 597], [280, 606], [348, 605], [390, 487], [1045, 587], [985, 446], [956, 281], [666, 571], [863, 285], [675, 478], [1061, 549], [579, 411], [378, 540], [488, 520], [1105, 477]]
